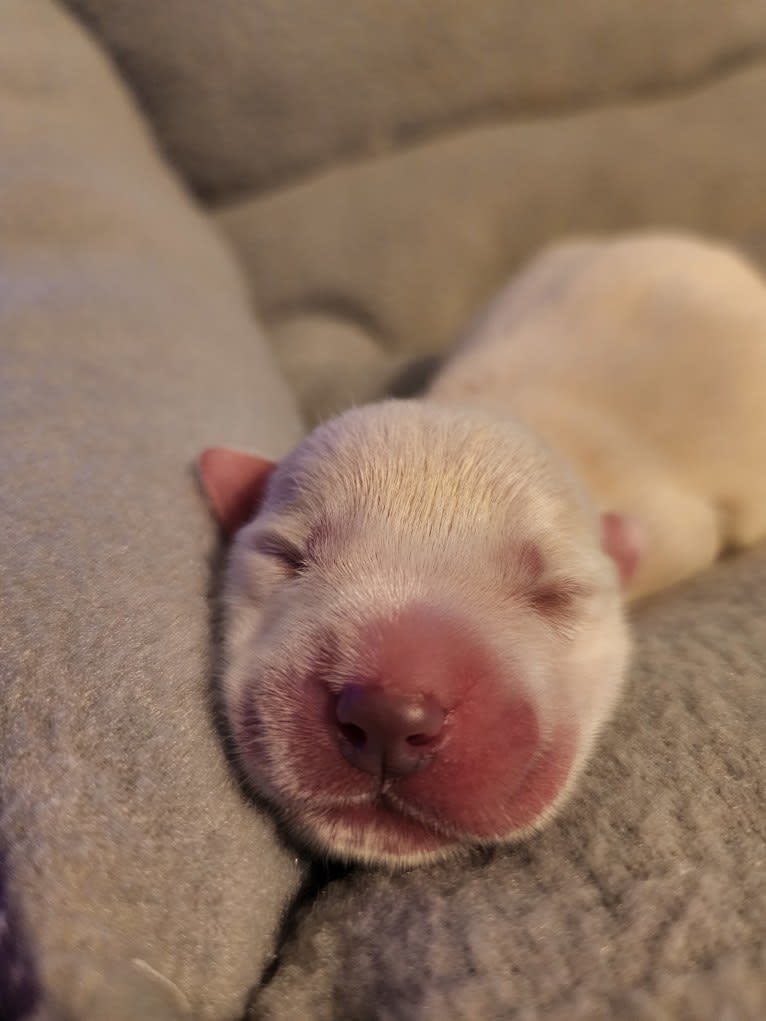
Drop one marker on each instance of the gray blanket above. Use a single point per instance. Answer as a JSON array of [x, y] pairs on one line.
[[349, 180]]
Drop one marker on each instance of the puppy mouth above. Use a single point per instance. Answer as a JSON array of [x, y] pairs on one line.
[[373, 824], [375, 831], [400, 820], [383, 827], [389, 807]]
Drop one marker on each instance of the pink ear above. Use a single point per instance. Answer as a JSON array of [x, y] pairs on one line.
[[234, 483], [624, 538]]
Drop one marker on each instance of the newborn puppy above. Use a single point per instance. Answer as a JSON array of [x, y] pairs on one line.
[[424, 601]]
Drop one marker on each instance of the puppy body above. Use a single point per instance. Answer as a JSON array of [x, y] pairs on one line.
[[425, 625], [644, 361]]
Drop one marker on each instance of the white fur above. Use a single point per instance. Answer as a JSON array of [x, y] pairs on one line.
[[642, 362]]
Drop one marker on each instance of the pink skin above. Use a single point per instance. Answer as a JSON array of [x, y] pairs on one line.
[[624, 539], [517, 721], [489, 725]]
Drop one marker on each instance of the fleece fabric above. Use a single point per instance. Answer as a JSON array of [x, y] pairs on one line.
[[366, 175], [135, 872], [382, 168]]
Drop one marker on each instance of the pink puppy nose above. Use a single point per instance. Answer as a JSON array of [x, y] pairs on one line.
[[385, 732]]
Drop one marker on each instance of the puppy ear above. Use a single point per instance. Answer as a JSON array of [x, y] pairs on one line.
[[624, 538], [234, 484]]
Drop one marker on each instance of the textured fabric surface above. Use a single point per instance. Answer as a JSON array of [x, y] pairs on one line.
[[145, 884], [408, 246], [645, 900], [247, 95], [382, 169], [378, 175]]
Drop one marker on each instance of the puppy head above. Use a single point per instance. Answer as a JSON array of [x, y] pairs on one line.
[[423, 629]]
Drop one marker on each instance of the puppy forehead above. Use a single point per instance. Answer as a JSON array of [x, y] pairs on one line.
[[409, 462]]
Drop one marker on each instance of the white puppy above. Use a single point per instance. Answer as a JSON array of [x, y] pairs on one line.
[[424, 608]]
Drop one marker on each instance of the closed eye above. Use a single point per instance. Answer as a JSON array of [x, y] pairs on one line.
[[557, 601], [281, 549]]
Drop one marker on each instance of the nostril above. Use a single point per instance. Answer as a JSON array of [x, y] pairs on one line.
[[418, 740], [353, 734]]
